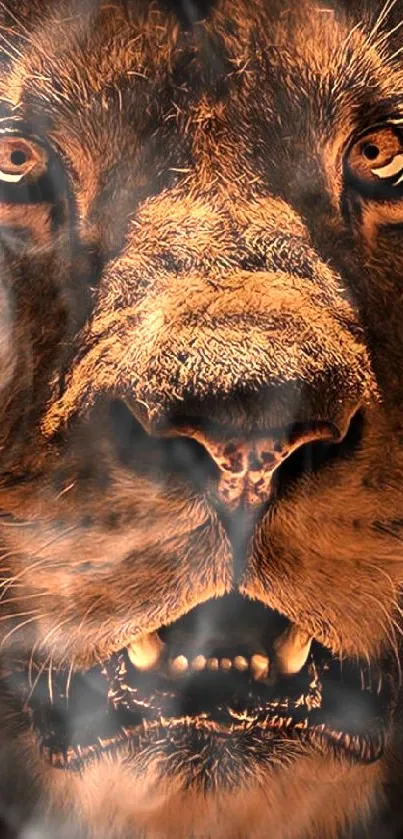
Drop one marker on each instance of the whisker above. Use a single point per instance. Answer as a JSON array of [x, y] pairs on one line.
[[43, 560], [15, 52], [56, 628], [380, 19], [38, 676], [17, 615], [66, 489], [25, 597], [390, 59], [17, 628], [388, 34], [68, 682], [20, 24], [50, 685], [14, 524]]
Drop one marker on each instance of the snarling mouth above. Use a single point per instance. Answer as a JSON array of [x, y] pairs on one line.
[[228, 667]]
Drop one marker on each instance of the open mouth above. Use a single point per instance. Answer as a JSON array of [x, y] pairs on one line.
[[228, 667]]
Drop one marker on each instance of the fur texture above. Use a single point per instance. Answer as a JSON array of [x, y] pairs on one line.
[[202, 255]]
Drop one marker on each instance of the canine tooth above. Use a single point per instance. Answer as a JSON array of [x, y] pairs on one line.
[[179, 664], [292, 650], [212, 663], [145, 653], [260, 666], [240, 663], [198, 663], [225, 664]]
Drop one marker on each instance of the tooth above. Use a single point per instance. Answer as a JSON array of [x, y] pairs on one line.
[[260, 666], [225, 664], [178, 664], [240, 662], [292, 650], [145, 653], [212, 663], [199, 663]]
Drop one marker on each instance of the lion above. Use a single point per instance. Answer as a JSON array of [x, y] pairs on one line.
[[201, 435]]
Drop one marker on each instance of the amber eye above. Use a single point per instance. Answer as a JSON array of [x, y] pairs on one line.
[[375, 161], [21, 160]]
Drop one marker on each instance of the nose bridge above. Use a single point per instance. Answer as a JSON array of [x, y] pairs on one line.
[[220, 258], [244, 339], [215, 233], [228, 314]]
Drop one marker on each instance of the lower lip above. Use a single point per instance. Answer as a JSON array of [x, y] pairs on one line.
[[364, 749], [141, 709]]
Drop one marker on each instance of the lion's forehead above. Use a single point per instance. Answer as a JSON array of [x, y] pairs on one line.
[[140, 79]]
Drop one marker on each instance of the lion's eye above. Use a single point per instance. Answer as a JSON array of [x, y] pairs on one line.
[[375, 162], [21, 161]]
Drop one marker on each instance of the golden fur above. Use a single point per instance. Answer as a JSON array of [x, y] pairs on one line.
[[205, 247]]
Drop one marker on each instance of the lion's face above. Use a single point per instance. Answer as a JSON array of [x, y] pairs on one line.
[[201, 398]]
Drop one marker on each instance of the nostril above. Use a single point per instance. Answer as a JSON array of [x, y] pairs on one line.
[[313, 456], [163, 457], [127, 434], [187, 457], [233, 469]]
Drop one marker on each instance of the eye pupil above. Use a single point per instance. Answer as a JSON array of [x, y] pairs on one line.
[[18, 157], [371, 151]]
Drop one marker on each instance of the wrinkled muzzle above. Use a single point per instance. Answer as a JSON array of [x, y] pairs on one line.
[[251, 366], [267, 349]]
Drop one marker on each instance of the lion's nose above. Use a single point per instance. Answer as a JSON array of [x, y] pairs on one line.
[[237, 467], [246, 465]]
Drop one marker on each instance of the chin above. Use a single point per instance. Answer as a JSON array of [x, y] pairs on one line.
[[231, 719]]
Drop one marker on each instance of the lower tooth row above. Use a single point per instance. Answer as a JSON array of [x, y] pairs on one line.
[[258, 664]]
